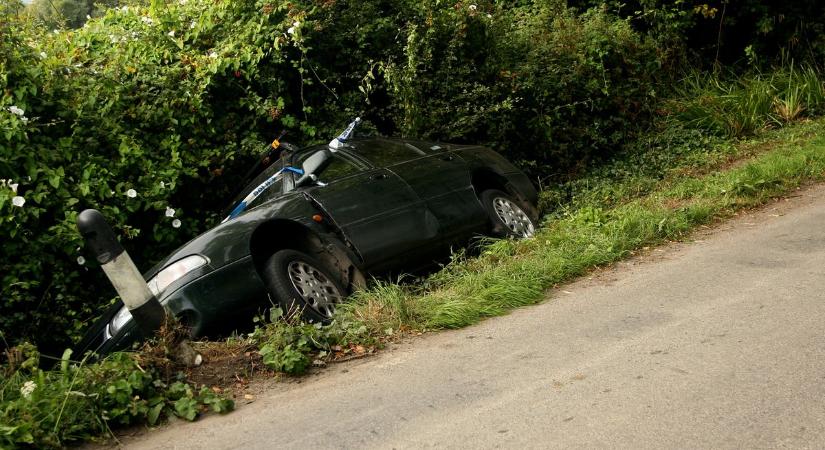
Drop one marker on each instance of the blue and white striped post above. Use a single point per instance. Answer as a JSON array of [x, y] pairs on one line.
[[147, 312]]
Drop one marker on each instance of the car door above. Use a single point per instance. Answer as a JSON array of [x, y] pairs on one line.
[[379, 214], [438, 176]]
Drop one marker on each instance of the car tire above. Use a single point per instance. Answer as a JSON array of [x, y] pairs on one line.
[[507, 218], [302, 285]]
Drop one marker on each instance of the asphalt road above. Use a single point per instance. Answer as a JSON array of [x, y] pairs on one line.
[[717, 343]]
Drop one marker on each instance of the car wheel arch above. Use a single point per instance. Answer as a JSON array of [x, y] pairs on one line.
[[484, 179], [281, 234]]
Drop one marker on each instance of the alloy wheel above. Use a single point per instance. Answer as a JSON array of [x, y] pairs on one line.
[[315, 288], [513, 217]]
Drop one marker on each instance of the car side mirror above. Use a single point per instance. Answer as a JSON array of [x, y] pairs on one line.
[[311, 166]]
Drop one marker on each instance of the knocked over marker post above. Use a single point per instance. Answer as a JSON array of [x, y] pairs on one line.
[[146, 310]]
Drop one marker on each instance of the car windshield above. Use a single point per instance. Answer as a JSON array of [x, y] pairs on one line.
[[267, 185]]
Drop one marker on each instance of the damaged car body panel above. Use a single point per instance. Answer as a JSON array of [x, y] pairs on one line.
[[370, 207]]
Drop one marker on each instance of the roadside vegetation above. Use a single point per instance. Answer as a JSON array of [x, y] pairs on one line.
[[636, 126]]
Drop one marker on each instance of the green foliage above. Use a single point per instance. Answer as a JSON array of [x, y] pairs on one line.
[[741, 106], [713, 32], [289, 345], [66, 13], [546, 86], [79, 401]]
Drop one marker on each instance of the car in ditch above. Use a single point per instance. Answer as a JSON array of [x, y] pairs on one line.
[[311, 227]]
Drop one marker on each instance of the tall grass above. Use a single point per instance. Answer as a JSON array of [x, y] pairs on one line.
[[732, 106]]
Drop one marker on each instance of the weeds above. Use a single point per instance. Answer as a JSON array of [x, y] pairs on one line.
[[79, 401]]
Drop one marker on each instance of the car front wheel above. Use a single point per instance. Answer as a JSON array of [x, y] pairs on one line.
[[506, 216], [302, 285]]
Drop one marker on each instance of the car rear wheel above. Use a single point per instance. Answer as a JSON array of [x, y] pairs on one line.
[[302, 285], [506, 216]]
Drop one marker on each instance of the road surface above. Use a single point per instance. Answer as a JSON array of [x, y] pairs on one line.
[[719, 343]]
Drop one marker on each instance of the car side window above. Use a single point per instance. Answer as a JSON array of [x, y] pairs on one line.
[[335, 168], [387, 153]]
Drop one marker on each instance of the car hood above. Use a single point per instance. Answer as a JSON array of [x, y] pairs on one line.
[[229, 241]]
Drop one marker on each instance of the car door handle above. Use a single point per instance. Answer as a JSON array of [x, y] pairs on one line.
[[448, 158], [378, 176]]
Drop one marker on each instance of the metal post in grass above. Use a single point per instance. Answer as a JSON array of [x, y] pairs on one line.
[[146, 310]]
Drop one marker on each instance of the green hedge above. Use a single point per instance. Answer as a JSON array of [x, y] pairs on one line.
[[550, 88]]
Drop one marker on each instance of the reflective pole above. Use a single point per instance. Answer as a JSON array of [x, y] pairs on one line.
[[147, 312]]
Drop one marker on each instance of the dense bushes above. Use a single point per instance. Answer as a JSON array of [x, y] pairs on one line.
[[548, 87], [151, 113]]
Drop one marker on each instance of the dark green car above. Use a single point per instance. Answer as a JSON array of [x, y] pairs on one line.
[[307, 230]]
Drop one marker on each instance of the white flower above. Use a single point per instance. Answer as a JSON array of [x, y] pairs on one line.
[[192, 25], [81, 260], [27, 389], [294, 27], [147, 20], [170, 212], [18, 201], [171, 33], [43, 55], [13, 187], [473, 7], [162, 185], [176, 223], [213, 55], [131, 193], [16, 110], [88, 17], [56, 31], [24, 119], [489, 16]]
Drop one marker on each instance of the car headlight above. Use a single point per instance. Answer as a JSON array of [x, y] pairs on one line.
[[157, 284], [174, 272]]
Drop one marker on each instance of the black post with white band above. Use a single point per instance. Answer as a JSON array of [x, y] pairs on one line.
[[146, 310]]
